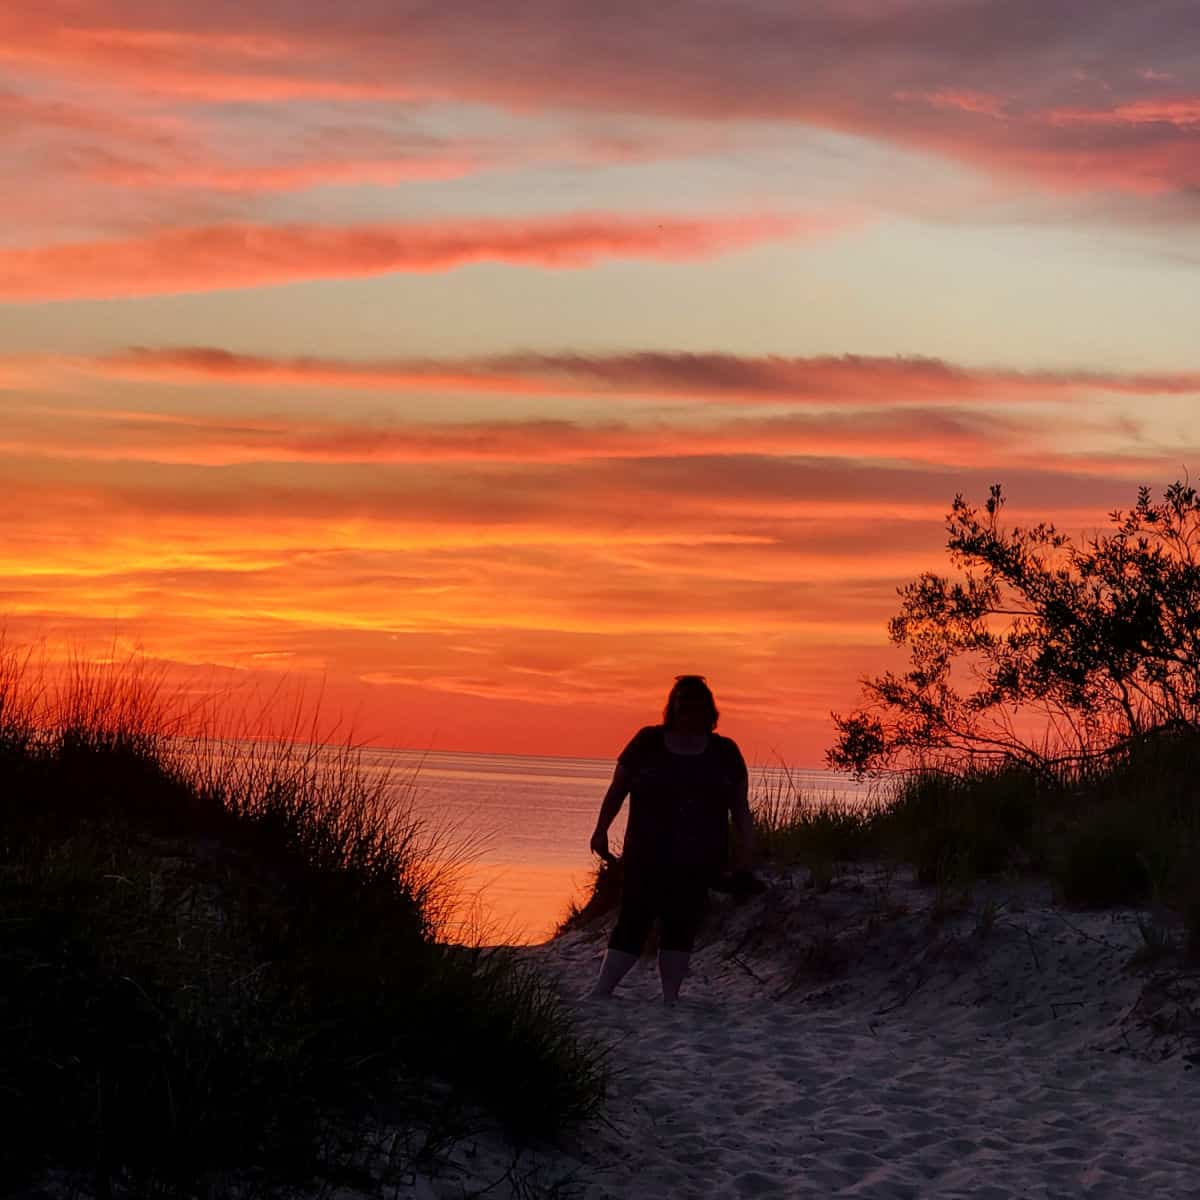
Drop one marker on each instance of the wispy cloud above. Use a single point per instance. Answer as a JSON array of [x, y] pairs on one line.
[[122, 142], [1180, 111], [938, 436], [913, 435], [240, 256], [717, 377], [633, 501]]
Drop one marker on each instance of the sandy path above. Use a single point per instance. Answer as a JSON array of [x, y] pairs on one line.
[[772, 1100], [1009, 1065], [854, 1043]]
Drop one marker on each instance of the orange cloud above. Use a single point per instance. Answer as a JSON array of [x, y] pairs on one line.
[[934, 436], [396, 507], [200, 65], [238, 256], [249, 178], [1180, 111], [964, 100], [725, 378], [438, 590]]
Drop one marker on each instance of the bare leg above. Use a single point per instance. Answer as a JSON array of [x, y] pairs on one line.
[[672, 967], [613, 969]]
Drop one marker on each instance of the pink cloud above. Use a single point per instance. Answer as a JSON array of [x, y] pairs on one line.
[[66, 144], [963, 100], [248, 178], [983, 80], [247, 65], [240, 256]]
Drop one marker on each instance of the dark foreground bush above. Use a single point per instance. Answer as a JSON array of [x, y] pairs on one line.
[[1134, 827], [1104, 866], [1124, 829], [218, 962], [974, 823]]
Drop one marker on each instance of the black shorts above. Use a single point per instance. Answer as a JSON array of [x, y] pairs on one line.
[[675, 896]]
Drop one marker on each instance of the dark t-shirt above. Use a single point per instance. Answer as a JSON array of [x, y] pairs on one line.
[[679, 803]]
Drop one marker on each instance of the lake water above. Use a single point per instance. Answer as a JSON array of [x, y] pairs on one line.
[[527, 822]]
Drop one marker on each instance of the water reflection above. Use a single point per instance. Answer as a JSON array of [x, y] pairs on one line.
[[513, 829]]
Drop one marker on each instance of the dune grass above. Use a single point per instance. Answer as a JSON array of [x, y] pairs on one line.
[[794, 827], [603, 896], [1131, 827], [220, 961], [1122, 829]]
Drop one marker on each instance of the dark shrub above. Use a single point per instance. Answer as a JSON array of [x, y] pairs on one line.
[[1191, 921], [979, 820], [1103, 866]]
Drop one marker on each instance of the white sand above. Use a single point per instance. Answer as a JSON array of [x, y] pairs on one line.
[[847, 1044]]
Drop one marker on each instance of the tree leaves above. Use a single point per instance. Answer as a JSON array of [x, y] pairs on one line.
[[1041, 651]]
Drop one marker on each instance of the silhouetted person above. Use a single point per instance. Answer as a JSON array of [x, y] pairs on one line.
[[684, 783]]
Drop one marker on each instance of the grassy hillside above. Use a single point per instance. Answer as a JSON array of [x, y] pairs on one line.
[[226, 965]]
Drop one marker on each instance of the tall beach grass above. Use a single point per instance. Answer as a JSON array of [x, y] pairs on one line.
[[219, 961], [1121, 829]]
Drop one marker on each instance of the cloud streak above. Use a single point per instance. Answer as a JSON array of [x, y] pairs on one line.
[[242, 256], [111, 144], [648, 374], [937, 436], [645, 499], [912, 435]]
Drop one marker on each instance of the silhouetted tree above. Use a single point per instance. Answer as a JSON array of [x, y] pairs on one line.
[[1041, 650]]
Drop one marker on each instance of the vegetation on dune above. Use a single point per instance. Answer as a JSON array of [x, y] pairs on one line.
[[790, 824], [223, 961], [603, 897], [1123, 830], [1050, 713]]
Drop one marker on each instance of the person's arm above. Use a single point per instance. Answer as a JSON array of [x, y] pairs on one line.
[[739, 812], [743, 827], [609, 807]]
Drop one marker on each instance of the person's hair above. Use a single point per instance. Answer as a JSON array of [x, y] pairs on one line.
[[696, 685]]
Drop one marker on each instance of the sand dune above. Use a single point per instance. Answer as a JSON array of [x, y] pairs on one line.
[[862, 1042]]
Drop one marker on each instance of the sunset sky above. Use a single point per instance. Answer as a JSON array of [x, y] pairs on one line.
[[486, 363]]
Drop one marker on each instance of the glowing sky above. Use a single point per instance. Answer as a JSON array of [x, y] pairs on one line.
[[494, 362]]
